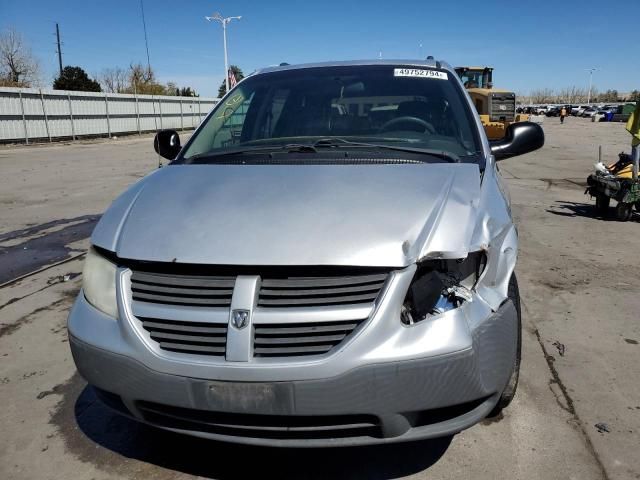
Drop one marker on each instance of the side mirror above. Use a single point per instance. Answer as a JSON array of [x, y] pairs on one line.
[[520, 138], [167, 144]]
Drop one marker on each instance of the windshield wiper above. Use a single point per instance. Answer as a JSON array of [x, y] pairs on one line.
[[341, 142], [330, 142], [290, 147]]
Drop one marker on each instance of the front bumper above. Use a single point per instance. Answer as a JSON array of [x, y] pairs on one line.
[[376, 402]]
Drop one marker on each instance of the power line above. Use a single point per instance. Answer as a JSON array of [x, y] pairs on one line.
[[153, 101], [146, 40]]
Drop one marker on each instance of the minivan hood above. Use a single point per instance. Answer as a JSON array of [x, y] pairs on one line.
[[359, 215]]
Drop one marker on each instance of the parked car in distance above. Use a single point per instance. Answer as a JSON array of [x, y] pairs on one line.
[[554, 111], [622, 112], [605, 114], [579, 110], [528, 110], [307, 273], [589, 112]]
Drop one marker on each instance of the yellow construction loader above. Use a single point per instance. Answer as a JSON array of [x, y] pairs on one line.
[[497, 108]]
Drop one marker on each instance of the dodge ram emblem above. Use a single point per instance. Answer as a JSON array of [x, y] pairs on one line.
[[240, 318]]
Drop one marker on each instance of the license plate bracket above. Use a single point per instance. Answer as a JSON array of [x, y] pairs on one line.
[[251, 397]]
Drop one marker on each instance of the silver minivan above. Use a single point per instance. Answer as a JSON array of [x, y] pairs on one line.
[[329, 260]]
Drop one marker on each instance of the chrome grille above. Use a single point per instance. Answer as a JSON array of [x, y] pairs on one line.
[[320, 291], [299, 311], [187, 337], [300, 339], [192, 290]]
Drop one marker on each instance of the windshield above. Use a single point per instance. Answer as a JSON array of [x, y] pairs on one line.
[[344, 107]]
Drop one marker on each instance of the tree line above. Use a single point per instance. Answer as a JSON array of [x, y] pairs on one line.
[[139, 79], [573, 95], [20, 68]]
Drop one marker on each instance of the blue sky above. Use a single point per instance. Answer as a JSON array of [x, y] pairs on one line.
[[534, 44]]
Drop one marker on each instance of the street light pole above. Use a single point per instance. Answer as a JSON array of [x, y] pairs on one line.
[[226, 57], [591, 70], [224, 21]]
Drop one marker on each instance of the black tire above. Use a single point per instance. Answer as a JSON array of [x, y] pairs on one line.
[[602, 203], [509, 391], [623, 211]]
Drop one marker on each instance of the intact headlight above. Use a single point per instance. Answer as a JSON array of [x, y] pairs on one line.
[[99, 283], [441, 285]]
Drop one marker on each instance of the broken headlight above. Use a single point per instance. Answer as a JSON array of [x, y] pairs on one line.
[[441, 285]]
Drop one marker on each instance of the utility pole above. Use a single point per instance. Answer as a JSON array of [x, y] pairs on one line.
[[59, 49], [591, 70], [224, 21]]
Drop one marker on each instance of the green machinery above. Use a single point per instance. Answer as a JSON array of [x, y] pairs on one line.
[[611, 182]]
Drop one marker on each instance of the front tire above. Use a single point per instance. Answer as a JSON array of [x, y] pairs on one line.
[[509, 391]]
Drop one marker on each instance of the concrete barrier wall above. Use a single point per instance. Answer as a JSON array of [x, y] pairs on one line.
[[28, 114]]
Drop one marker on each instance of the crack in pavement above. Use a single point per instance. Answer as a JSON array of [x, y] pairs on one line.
[[8, 329], [502, 169], [56, 282], [570, 407]]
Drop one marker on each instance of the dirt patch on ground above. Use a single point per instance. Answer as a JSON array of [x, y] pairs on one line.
[[38, 251]]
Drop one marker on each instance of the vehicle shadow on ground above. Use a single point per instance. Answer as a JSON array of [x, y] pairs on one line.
[[211, 459], [575, 209]]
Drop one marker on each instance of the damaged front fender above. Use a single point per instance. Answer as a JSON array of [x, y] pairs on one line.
[[489, 231], [496, 234]]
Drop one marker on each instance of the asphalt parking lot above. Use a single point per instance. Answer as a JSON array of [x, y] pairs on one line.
[[576, 414]]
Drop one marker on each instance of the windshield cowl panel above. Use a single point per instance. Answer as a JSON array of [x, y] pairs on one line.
[[368, 156], [415, 110]]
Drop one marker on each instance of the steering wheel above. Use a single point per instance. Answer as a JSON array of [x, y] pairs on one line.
[[426, 126]]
